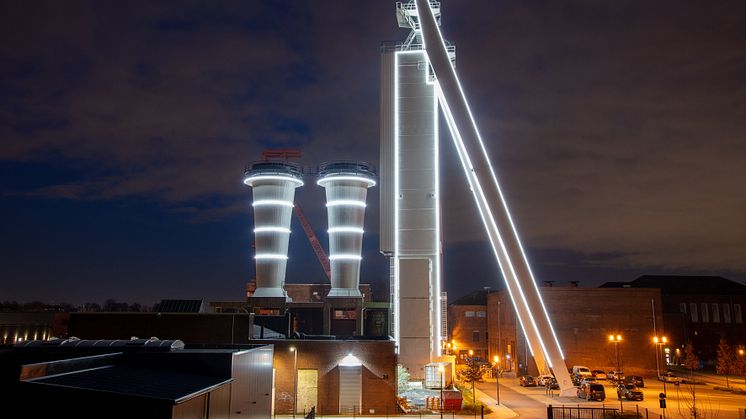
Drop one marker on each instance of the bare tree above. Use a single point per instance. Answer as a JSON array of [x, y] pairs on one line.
[[726, 360]]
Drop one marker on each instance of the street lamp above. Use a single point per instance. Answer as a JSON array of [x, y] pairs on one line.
[[616, 339], [473, 394], [659, 342], [441, 370], [497, 378], [295, 379]]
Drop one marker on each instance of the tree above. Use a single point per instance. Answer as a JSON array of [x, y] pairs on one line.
[[691, 361], [726, 360], [402, 376], [472, 373]]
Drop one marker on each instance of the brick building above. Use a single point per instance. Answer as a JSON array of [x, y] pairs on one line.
[[583, 318], [697, 309], [467, 320], [336, 376]]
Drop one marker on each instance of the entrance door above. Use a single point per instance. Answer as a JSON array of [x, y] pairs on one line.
[[308, 390], [350, 389]]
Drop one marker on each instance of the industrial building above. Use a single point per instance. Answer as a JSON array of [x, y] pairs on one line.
[[144, 378], [485, 323]]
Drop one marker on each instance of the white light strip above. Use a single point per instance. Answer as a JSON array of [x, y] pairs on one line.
[[272, 230], [397, 303], [270, 256], [356, 230], [345, 256], [251, 179], [268, 202], [438, 252], [333, 178], [346, 203], [481, 193]]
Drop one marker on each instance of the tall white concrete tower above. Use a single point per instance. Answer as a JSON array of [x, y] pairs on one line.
[[273, 186], [346, 185], [410, 196]]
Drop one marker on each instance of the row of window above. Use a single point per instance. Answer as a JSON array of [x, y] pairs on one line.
[[704, 312], [479, 314]]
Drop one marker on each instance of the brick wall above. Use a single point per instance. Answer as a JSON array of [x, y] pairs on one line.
[[583, 318], [378, 372]]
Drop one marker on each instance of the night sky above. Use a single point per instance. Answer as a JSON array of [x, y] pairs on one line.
[[618, 130]]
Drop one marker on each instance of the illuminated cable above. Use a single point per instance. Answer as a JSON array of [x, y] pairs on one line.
[[272, 230], [333, 178], [270, 256], [250, 179], [357, 230], [272, 202], [345, 256], [346, 203]]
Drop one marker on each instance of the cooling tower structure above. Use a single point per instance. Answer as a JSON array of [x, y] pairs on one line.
[[273, 187], [346, 185]]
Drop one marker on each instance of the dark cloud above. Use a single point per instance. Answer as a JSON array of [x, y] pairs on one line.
[[617, 129]]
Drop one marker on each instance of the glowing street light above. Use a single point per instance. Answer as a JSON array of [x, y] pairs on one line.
[[497, 378], [295, 379], [616, 339]]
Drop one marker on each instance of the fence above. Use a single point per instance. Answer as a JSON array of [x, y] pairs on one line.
[[577, 412]]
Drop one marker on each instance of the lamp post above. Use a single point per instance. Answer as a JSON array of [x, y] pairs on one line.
[[441, 370], [294, 350], [497, 378], [616, 339], [659, 342], [473, 393]]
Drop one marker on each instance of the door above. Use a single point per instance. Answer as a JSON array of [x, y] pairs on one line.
[[350, 389], [308, 390]]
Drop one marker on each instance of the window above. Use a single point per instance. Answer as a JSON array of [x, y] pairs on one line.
[[737, 313], [475, 336], [345, 314], [715, 313], [481, 314], [682, 308], [469, 314], [726, 313], [705, 313], [693, 311]]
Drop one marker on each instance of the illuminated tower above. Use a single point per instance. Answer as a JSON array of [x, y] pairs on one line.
[[346, 185], [410, 197], [273, 186]]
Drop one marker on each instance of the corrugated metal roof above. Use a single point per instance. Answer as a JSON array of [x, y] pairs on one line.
[[169, 385]]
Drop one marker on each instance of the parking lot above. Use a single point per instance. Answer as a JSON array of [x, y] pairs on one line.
[[530, 401]]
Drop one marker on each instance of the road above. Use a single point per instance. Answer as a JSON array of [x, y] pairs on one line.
[[531, 402]]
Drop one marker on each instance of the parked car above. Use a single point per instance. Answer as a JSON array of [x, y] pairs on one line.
[[527, 381], [629, 392], [669, 378], [543, 379], [615, 375], [598, 374], [581, 370], [587, 380], [634, 380], [592, 391]]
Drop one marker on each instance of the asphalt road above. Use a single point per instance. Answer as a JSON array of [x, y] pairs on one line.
[[531, 402]]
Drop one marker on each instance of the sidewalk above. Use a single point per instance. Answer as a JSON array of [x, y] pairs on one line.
[[501, 411]]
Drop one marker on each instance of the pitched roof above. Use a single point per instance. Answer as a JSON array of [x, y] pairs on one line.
[[476, 298]]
